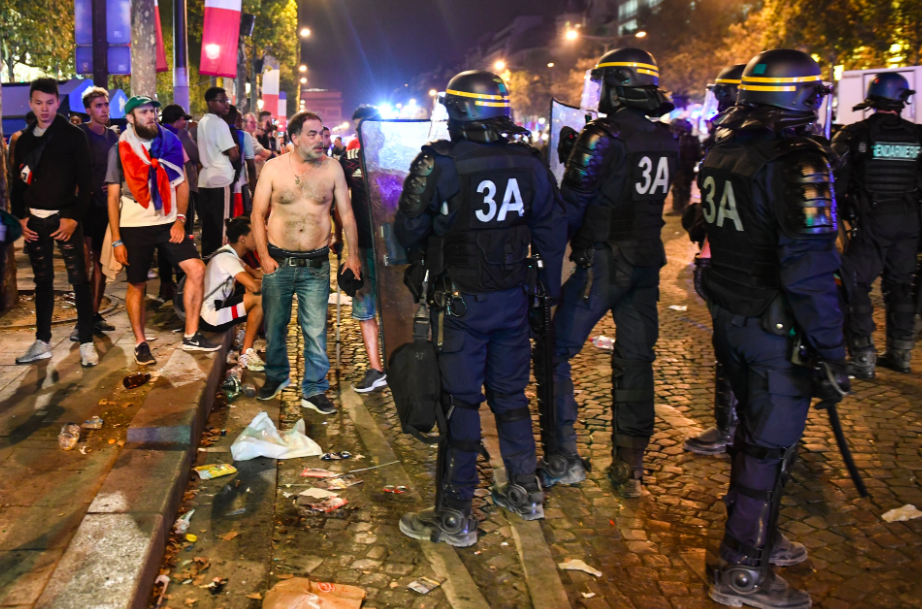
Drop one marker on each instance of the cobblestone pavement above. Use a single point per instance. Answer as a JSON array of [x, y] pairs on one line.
[[653, 552]]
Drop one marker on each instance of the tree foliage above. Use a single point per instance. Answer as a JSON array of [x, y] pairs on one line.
[[30, 35]]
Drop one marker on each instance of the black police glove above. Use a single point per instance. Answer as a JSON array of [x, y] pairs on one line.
[[568, 137], [700, 265], [582, 256], [830, 381]]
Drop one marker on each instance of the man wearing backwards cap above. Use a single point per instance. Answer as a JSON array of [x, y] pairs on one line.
[[148, 195]]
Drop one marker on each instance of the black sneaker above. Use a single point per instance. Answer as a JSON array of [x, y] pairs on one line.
[[142, 355], [372, 380], [271, 389], [320, 402], [100, 324], [198, 342]]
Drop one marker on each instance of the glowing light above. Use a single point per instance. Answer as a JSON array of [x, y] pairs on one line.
[[412, 102], [305, 32], [837, 72], [640, 34], [399, 106], [572, 34], [259, 104], [433, 92], [386, 111], [550, 65], [542, 120], [302, 68], [500, 65], [303, 80], [212, 51]]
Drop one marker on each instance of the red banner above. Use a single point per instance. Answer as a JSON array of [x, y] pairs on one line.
[[220, 36], [161, 53]]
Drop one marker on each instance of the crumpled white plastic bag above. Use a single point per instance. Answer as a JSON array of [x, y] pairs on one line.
[[262, 439]]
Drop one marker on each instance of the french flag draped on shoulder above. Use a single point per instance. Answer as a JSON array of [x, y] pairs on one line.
[[151, 177], [220, 36]]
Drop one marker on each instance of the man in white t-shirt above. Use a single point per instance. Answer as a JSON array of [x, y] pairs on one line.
[[217, 149], [146, 213], [225, 305]]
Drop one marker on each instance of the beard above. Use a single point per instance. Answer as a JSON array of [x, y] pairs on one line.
[[147, 132], [309, 154]]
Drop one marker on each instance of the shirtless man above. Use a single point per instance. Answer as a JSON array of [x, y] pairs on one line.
[[298, 188]]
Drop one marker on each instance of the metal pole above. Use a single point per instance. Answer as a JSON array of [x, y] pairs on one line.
[[180, 56], [100, 47]]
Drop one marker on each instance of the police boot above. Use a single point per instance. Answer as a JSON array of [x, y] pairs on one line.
[[562, 469], [715, 440], [522, 495], [736, 585], [626, 472], [451, 524], [864, 357], [898, 355], [787, 553]]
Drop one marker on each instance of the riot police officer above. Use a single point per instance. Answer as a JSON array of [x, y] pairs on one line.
[[768, 202], [877, 181], [715, 440], [476, 203], [616, 181]]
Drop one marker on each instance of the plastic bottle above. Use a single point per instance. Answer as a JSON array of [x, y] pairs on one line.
[[69, 436], [604, 342], [249, 390]]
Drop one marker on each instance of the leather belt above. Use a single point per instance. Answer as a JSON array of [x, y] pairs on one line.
[[314, 263]]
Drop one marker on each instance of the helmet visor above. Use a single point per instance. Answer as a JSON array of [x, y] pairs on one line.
[[592, 91]]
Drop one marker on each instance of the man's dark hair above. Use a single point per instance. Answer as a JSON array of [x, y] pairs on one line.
[[263, 114], [213, 93], [236, 228], [325, 128], [44, 85], [297, 121], [366, 111]]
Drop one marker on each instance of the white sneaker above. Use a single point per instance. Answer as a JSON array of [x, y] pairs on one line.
[[88, 355], [38, 351], [252, 361]]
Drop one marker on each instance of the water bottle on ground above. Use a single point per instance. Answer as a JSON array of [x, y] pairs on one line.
[[604, 342], [69, 436]]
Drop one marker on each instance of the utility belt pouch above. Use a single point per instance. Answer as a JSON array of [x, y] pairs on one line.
[[778, 318]]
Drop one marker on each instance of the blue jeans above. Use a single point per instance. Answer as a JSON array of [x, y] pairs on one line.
[[364, 301], [312, 286]]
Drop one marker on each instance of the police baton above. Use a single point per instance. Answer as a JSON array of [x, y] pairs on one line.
[[830, 407]]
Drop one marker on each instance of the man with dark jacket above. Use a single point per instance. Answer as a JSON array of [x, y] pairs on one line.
[[52, 185]]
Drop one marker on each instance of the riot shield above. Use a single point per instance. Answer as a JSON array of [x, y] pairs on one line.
[[562, 116], [708, 111], [388, 147]]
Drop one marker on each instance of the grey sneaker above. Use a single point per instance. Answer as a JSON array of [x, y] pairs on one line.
[[38, 351], [143, 356], [198, 342], [88, 355], [372, 380]]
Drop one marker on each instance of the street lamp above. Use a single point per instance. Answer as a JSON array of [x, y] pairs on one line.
[[302, 68], [550, 65], [305, 32], [303, 80], [572, 34], [433, 92], [640, 34], [500, 65]]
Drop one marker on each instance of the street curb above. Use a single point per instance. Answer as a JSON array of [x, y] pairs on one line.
[[120, 543]]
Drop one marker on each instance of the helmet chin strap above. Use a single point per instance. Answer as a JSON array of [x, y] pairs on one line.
[[652, 101]]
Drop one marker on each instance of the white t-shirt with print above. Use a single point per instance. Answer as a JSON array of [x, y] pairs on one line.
[[223, 267], [214, 137]]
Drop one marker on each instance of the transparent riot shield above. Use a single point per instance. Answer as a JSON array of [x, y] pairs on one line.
[[388, 149], [562, 116], [708, 111]]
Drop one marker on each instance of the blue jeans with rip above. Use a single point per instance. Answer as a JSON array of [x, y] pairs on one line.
[[312, 287]]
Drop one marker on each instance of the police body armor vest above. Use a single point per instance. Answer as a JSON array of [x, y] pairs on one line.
[[743, 276], [636, 191], [486, 247], [887, 162]]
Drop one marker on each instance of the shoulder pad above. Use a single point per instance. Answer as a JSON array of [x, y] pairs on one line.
[[442, 147], [808, 206], [605, 124], [584, 167], [526, 148], [420, 183]]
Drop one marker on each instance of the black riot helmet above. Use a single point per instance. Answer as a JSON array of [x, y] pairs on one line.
[[888, 91], [726, 86], [783, 78], [479, 108], [630, 77]]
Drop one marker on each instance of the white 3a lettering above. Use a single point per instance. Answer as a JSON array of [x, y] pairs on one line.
[[727, 208], [650, 184], [512, 201]]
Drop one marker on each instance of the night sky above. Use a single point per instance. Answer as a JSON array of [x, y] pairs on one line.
[[367, 48]]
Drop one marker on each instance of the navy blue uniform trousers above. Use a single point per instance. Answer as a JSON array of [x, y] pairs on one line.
[[487, 347]]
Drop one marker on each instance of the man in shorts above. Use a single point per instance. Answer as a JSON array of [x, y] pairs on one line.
[[298, 189], [225, 305], [96, 221], [147, 213]]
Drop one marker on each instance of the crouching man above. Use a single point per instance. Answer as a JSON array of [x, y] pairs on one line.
[[148, 196], [233, 290]]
